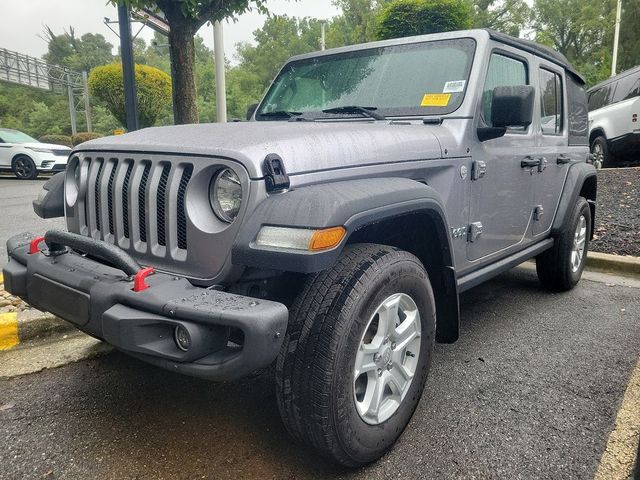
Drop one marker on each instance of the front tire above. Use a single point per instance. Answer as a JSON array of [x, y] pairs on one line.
[[560, 268], [357, 353], [24, 168]]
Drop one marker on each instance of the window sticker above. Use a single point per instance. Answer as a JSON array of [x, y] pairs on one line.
[[454, 87], [436, 100]]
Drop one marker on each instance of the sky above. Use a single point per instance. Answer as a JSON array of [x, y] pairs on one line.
[[22, 22]]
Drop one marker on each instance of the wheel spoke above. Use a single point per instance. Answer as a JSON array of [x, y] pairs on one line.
[[404, 334], [365, 360]]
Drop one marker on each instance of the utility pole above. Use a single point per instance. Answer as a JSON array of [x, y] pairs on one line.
[[323, 36], [616, 39], [221, 89], [128, 73], [72, 105]]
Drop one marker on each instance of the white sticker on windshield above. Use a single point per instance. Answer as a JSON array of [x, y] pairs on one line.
[[454, 87]]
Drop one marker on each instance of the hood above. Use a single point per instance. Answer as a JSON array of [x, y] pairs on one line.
[[52, 146], [304, 146]]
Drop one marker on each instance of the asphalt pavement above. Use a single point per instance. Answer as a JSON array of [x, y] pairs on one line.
[[531, 390], [16, 212]]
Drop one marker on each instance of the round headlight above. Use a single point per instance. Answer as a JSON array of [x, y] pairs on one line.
[[226, 195]]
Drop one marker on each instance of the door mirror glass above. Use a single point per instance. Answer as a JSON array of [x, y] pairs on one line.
[[512, 106]]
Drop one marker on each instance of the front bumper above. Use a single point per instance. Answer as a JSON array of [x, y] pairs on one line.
[[231, 335]]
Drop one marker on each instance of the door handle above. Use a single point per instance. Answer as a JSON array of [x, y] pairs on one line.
[[530, 162], [562, 159]]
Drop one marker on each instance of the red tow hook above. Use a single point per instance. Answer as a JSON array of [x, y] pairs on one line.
[[139, 283], [33, 246]]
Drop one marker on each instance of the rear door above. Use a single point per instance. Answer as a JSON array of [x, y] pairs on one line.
[[502, 197], [5, 153], [552, 139]]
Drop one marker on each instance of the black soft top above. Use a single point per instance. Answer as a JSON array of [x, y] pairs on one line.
[[539, 50]]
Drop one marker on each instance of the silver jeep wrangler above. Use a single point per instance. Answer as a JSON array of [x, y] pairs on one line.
[[333, 232]]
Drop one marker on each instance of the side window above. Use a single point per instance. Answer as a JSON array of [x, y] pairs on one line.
[[551, 102], [596, 99], [609, 92], [628, 87], [503, 72]]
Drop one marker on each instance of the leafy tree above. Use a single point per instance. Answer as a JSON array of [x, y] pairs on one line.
[[185, 18], [507, 16], [629, 48], [403, 18], [81, 54], [153, 89], [357, 24], [582, 30]]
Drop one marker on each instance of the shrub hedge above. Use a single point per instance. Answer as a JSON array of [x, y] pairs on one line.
[[81, 137], [57, 140], [153, 87]]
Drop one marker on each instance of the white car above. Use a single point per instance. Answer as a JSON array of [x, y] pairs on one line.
[[26, 156], [614, 107]]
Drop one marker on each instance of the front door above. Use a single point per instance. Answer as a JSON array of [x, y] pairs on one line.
[[501, 198]]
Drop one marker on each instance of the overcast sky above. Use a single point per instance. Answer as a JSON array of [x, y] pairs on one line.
[[22, 21]]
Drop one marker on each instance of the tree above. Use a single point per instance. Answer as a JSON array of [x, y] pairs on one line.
[[185, 18], [153, 90], [582, 30], [81, 54], [506, 16], [357, 24], [403, 18], [629, 48]]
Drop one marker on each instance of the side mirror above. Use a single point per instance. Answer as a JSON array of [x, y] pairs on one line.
[[510, 107], [251, 110], [50, 201]]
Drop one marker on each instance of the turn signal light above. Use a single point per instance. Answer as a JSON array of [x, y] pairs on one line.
[[327, 238]]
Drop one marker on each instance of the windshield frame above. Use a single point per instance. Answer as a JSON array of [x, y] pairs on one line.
[[398, 112], [27, 138]]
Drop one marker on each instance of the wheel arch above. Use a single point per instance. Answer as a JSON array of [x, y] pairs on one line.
[[581, 181], [21, 154], [397, 212], [595, 133]]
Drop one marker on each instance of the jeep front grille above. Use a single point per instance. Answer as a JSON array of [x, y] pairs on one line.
[[154, 206], [107, 180]]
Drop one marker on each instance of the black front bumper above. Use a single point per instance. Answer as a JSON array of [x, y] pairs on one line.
[[231, 335]]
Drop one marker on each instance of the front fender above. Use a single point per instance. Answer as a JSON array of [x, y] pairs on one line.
[[352, 204]]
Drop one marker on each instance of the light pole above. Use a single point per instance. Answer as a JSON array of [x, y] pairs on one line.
[[221, 89], [616, 39]]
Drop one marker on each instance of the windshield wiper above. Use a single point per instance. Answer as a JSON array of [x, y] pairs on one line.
[[279, 113], [366, 111]]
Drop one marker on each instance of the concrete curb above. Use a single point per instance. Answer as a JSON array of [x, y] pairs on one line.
[[620, 264]]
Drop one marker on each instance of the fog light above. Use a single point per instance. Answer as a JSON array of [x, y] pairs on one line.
[[182, 338]]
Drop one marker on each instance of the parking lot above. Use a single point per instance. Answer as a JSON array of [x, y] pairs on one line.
[[531, 390]]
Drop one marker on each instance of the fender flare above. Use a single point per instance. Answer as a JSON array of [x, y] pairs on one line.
[[355, 204], [582, 179], [352, 204]]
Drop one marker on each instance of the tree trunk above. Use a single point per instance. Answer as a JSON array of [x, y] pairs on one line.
[[182, 51]]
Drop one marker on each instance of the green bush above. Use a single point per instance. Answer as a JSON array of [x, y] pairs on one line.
[[81, 137], [57, 140], [153, 87], [405, 18]]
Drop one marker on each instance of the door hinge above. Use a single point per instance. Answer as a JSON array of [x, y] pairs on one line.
[[478, 169], [275, 175], [475, 230], [538, 212]]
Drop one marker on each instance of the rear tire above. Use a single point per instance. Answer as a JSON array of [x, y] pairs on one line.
[[560, 268], [24, 168], [321, 378], [601, 153]]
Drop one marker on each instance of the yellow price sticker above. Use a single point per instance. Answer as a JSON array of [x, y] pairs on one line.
[[436, 100]]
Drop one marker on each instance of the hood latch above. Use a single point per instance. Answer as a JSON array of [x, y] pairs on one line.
[[275, 175]]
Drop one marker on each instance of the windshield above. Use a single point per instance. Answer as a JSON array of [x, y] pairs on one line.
[[14, 136], [427, 78]]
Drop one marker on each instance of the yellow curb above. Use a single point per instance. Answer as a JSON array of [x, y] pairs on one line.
[[617, 460], [8, 330]]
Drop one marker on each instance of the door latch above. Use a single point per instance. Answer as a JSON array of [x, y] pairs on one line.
[[475, 230], [478, 169], [538, 212]]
